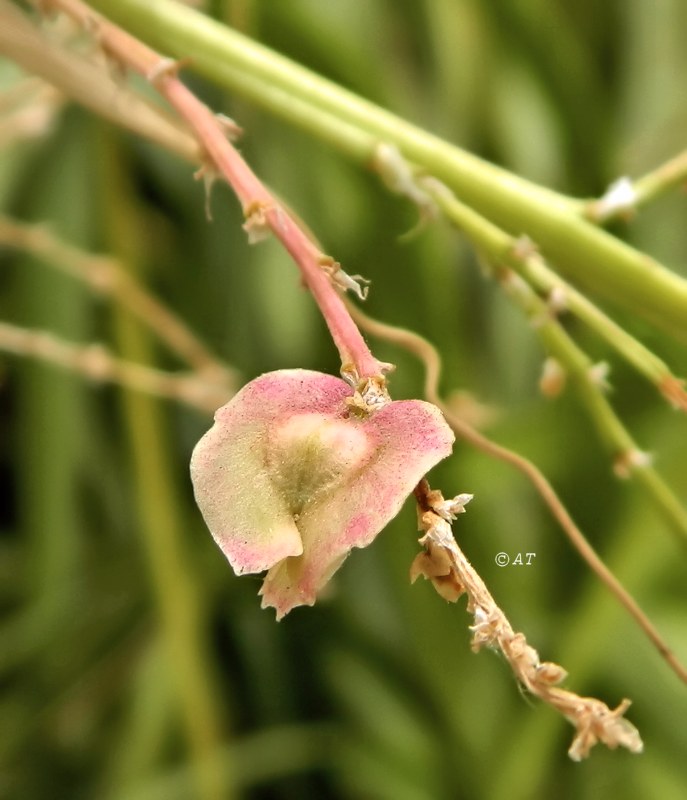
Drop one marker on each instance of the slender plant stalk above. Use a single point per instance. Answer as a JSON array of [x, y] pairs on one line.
[[107, 277], [591, 257], [428, 355], [321, 274], [522, 256], [661, 180], [638, 193], [94, 362]]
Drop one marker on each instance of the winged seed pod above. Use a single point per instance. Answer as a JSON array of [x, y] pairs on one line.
[[289, 480]]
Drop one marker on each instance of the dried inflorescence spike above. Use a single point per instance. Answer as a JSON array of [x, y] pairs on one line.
[[289, 480], [436, 562], [452, 575]]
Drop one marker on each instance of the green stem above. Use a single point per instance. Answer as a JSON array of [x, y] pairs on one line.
[[498, 247], [588, 255], [520, 255], [536, 272], [660, 180]]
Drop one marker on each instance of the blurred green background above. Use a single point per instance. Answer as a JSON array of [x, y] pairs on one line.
[[133, 664]]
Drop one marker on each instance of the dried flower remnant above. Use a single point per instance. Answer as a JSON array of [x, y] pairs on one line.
[[289, 480], [553, 378], [452, 575], [619, 200]]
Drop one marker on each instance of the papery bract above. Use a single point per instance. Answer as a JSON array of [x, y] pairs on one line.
[[288, 480]]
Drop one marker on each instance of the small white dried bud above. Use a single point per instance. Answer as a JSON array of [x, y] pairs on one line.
[[398, 176], [343, 280], [630, 460], [256, 225], [619, 198], [164, 68], [523, 248], [449, 509], [553, 378], [231, 129], [598, 375], [558, 300]]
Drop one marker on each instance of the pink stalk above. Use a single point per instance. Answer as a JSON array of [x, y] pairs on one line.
[[259, 206]]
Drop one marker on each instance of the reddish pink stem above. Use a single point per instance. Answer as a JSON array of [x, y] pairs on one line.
[[253, 194], [354, 352]]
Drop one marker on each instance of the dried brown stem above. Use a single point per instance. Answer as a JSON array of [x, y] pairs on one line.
[[106, 276], [96, 363], [443, 562], [432, 362]]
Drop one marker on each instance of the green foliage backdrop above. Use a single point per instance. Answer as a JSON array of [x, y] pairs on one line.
[[113, 595]]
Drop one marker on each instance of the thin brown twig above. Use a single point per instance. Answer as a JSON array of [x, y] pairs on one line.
[[429, 356], [95, 362], [106, 276]]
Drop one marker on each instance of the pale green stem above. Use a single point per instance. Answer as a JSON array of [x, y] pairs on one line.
[[590, 256], [661, 180], [535, 270], [642, 191], [628, 459], [521, 256]]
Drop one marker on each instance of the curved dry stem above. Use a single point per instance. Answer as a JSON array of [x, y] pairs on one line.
[[428, 355], [96, 363], [106, 276]]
